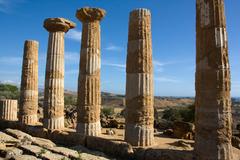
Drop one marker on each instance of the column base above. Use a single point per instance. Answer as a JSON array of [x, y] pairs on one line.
[[54, 123], [29, 119], [207, 147], [138, 135], [89, 129], [224, 153]]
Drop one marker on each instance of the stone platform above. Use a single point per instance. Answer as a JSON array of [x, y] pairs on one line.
[[17, 145], [164, 148]]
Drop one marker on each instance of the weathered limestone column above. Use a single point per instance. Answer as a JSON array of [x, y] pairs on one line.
[[54, 78], [139, 83], [8, 110], [213, 101], [89, 93], [29, 84]]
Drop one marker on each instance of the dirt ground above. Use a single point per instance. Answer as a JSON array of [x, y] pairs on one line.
[[161, 142]]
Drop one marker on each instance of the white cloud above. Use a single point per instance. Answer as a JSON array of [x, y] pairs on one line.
[[72, 56], [166, 79], [158, 63], [74, 71], [155, 63], [112, 47], [114, 65], [158, 66], [74, 35], [6, 6], [158, 69], [11, 82]]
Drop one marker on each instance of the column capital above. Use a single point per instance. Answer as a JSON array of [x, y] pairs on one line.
[[58, 24], [139, 12], [87, 14]]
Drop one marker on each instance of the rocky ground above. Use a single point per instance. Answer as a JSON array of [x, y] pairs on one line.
[[174, 147], [169, 135], [17, 145], [117, 103]]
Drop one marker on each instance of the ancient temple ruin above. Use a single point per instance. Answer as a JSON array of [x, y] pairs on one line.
[[213, 101], [8, 110], [89, 93], [29, 85], [54, 78], [212, 82], [139, 84]]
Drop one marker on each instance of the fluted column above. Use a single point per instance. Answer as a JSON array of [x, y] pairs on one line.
[[8, 110], [54, 78], [139, 82], [89, 93], [29, 84], [213, 101]]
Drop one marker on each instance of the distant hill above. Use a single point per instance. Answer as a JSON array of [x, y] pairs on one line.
[[117, 100]]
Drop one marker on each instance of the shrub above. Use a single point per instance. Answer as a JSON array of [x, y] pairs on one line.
[[107, 111], [185, 114], [70, 100], [172, 114], [188, 113]]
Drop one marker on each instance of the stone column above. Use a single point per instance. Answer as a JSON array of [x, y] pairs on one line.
[[139, 82], [54, 78], [89, 93], [29, 84], [8, 110], [213, 101]]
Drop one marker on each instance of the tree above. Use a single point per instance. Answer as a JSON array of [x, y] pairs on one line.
[[9, 91], [172, 114]]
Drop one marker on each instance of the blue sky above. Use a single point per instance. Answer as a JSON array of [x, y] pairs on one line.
[[173, 30]]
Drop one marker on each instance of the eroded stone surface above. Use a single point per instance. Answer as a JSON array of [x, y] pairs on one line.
[[183, 130], [33, 149], [41, 152], [45, 143], [158, 154], [89, 94], [90, 14], [118, 148], [92, 157], [29, 84], [139, 90], [17, 149], [25, 157], [64, 151], [213, 101], [236, 142], [19, 135], [236, 154], [8, 110], [53, 156], [54, 77], [10, 152], [7, 138], [58, 24]]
